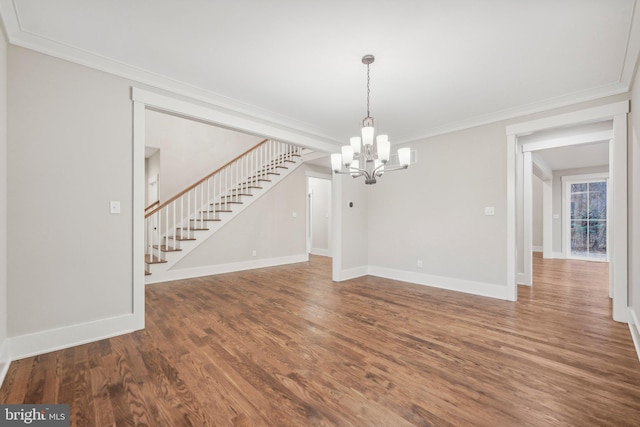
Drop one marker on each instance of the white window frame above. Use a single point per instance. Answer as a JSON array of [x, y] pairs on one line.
[[566, 211]]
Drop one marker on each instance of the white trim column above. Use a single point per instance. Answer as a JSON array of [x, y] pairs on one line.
[[618, 237], [547, 218]]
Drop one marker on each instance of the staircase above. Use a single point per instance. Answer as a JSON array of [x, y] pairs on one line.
[[179, 225]]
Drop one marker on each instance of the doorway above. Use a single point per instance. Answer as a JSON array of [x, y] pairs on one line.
[[519, 172], [319, 214]]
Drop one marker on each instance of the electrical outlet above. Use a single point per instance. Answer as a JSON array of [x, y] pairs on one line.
[[114, 207], [419, 263], [254, 253]]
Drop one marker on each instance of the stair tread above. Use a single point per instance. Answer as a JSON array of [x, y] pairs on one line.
[[223, 210], [193, 229], [227, 203], [165, 248], [206, 219], [181, 238], [152, 259]]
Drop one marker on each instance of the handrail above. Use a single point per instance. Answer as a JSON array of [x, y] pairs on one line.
[[157, 202], [191, 187]]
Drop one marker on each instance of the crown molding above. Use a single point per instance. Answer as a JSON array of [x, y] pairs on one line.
[[18, 36], [521, 111]]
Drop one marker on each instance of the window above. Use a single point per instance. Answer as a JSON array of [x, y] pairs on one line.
[[586, 200]]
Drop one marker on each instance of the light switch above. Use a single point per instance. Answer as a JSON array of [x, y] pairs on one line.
[[294, 214], [114, 206], [490, 210]]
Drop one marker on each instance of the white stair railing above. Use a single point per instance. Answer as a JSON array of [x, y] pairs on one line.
[[190, 210]]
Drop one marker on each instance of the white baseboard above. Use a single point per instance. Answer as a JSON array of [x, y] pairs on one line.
[[320, 252], [520, 279], [537, 249], [460, 285], [188, 273], [353, 273], [41, 342], [5, 359], [634, 327]]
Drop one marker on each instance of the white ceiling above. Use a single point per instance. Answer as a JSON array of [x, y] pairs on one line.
[[574, 156], [440, 65]]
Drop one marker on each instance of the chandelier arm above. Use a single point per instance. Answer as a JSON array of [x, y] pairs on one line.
[[397, 168]]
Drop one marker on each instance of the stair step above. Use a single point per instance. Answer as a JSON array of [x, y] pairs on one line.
[[152, 259], [193, 228], [206, 219], [181, 238], [222, 210], [165, 248], [226, 203], [147, 273], [238, 194], [281, 167]]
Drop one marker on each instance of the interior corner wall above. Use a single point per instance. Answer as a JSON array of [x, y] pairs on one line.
[[428, 223], [69, 153], [3, 205]]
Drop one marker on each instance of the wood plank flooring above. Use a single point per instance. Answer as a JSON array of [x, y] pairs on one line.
[[285, 346]]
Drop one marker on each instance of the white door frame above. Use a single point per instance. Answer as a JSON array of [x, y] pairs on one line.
[[618, 186]]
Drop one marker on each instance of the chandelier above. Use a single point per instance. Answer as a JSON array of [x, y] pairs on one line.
[[362, 157]]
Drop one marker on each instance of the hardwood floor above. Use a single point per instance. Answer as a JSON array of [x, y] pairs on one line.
[[285, 346]]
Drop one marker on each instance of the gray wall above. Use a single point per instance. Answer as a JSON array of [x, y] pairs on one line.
[[3, 193], [634, 199], [355, 231], [69, 153], [190, 150], [268, 227], [434, 211], [536, 213], [320, 215]]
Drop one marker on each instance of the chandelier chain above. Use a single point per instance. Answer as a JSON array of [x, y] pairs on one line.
[[368, 91]]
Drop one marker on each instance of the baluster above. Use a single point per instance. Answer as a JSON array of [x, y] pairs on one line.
[[173, 227], [157, 231]]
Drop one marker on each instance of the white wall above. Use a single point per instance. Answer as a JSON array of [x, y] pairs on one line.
[[3, 204], [268, 227], [536, 213], [190, 150], [320, 190], [69, 153]]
